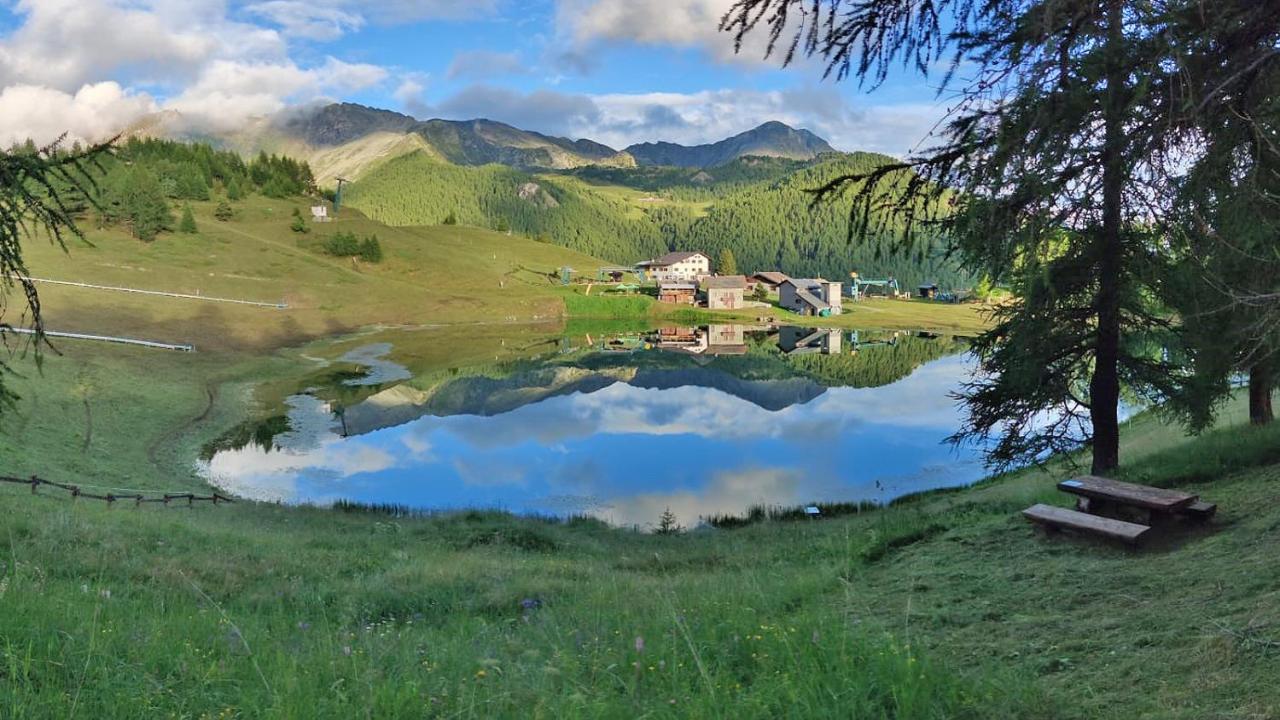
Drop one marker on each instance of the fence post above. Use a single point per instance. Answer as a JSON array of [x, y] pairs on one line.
[[35, 483], [75, 493]]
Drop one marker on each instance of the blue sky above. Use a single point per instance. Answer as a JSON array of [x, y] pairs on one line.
[[617, 71]]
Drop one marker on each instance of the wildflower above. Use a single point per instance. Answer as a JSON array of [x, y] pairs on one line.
[[481, 674], [346, 650], [639, 644]]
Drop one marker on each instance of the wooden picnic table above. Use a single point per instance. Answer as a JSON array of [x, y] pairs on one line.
[[1119, 510], [1154, 499]]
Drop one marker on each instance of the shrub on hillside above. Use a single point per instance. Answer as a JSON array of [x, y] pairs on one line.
[[343, 244], [299, 224], [188, 222], [371, 250], [346, 244]]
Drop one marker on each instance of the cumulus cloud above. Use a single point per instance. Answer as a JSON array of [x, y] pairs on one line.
[[228, 93], [666, 22], [585, 24], [64, 44], [95, 111], [191, 54]]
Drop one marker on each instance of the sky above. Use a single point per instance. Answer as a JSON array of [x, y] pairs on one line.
[[615, 71]]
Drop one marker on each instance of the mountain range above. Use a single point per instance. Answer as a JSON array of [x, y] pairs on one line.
[[747, 194], [483, 142]]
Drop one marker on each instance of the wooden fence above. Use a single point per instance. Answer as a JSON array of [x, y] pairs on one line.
[[138, 498]]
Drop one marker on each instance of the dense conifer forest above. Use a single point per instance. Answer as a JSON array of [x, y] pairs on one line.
[[760, 208], [141, 181]]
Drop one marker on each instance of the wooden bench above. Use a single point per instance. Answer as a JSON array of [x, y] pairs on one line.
[[1200, 510], [1056, 518]]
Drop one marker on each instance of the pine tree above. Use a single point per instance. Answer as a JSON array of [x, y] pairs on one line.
[[1053, 170], [223, 212], [38, 190], [188, 222], [451, 218], [668, 524], [728, 265], [299, 224], [371, 250]]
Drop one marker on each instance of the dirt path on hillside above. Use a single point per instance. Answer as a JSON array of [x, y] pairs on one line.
[[212, 390]]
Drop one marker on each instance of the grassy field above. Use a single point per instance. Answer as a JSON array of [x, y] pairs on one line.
[[437, 275], [948, 606], [945, 606]]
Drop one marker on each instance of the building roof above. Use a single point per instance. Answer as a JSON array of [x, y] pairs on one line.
[[725, 282], [677, 286], [805, 287], [672, 258], [806, 283], [771, 277]]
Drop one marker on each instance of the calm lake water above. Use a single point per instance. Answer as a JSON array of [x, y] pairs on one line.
[[703, 421]]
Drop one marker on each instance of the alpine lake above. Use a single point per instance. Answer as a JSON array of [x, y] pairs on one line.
[[623, 425]]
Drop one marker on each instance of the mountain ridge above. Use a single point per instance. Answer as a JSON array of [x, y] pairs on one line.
[[481, 141], [770, 139]]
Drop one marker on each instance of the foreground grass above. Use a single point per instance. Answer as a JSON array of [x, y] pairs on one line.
[[948, 606]]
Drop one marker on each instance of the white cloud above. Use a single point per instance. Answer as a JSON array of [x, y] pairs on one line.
[[687, 23], [64, 44], [228, 93], [94, 112], [309, 20], [190, 54]]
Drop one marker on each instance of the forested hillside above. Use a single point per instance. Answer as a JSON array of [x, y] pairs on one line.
[[757, 207], [143, 178], [416, 189]]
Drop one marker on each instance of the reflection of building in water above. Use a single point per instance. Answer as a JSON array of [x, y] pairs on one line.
[[684, 339], [726, 340], [799, 341], [707, 340]]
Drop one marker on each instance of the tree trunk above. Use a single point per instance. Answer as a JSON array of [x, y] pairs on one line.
[[1261, 385], [1104, 386]]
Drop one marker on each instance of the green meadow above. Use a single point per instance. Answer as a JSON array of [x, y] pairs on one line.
[[941, 606]]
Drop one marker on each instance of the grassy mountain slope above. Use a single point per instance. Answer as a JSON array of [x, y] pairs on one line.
[[757, 207], [429, 275], [416, 189]]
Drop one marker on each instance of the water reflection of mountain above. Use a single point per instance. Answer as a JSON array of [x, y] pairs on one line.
[[487, 396], [770, 367]]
